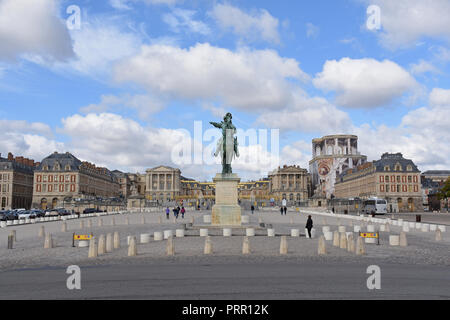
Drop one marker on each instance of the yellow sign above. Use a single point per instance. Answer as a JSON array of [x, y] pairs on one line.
[[369, 235], [82, 237]]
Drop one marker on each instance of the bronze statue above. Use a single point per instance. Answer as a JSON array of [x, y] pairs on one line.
[[227, 146]]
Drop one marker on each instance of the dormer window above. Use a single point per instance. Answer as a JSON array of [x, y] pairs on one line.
[[398, 167], [409, 168], [386, 168], [67, 168]]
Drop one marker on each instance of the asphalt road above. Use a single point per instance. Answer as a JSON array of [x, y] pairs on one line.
[[231, 281]]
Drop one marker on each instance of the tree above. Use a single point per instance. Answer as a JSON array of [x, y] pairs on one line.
[[444, 192]]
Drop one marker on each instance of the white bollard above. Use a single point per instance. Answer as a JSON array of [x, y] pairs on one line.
[[167, 234], [158, 236], [325, 229], [203, 232], [250, 232], [227, 232], [322, 250], [370, 228], [405, 227], [356, 228], [83, 244], [442, 228], [336, 239], [382, 227], [271, 232], [132, 248], [145, 238], [394, 240], [425, 227], [403, 240], [433, 227], [179, 233], [328, 236], [207, 219], [295, 233], [245, 219], [341, 229]]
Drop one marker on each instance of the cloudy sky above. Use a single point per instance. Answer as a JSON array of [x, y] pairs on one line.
[[126, 83]]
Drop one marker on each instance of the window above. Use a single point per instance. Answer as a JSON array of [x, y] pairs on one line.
[[387, 188], [410, 189], [386, 178], [409, 179], [386, 168], [39, 178], [382, 188], [398, 167], [398, 178], [415, 179], [381, 179], [409, 167], [398, 188]]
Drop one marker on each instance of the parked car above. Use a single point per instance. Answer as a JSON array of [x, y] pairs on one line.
[[38, 213], [2, 215], [63, 212], [12, 215], [51, 213], [90, 210], [27, 214]]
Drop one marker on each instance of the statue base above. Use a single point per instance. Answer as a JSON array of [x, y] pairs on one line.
[[226, 211]]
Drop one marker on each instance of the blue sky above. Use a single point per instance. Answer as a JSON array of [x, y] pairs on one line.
[[116, 90]]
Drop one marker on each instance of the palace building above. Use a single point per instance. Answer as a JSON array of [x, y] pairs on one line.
[[291, 183], [332, 155], [16, 182], [62, 177], [393, 178]]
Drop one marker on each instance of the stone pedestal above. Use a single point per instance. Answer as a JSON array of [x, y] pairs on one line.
[[226, 211]]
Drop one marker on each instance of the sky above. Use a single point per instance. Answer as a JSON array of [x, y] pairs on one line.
[[133, 84]]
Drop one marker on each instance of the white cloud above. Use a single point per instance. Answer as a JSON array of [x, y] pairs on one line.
[[259, 24], [126, 4], [145, 105], [406, 21], [363, 83], [423, 67], [33, 28], [307, 114], [312, 31], [246, 79], [422, 136], [183, 20]]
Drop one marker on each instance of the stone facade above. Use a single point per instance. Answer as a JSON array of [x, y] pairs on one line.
[[61, 177], [393, 178], [291, 183], [16, 182], [162, 184], [332, 155]]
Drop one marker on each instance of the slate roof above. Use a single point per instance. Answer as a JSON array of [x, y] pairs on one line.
[[391, 159], [63, 159], [6, 164]]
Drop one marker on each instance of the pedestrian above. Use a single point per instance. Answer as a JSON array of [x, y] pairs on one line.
[[178, 211], [309, 226], [175, 214], [253, 209], [281, 210], [182, 212], [167, 213], [285, 210]]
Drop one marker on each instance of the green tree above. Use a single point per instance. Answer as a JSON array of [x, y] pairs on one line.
[[444, 193]]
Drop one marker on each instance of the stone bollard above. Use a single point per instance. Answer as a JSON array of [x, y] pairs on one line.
[[341, 229], [322, 249], [132, 247], [101, 245], [179, 233], [292, 220], [167, 234], [159, 220], [192, 220], [403, 240], [116, 240], [93, 253], [109, 242], [246, 246], [158, 236], [405, 227], [207, 219], [250, 232], [283, 245], [295, 233], [245, 219], [48, 242], [357, 229], [442, 228], [127, 221], [343, 240], [113, 221], [438, 236], [425, 227], [328, 236], [360, 248], [208, 246], [227, 232], [260, 220], [271, 232], [14, 235], [145, 238], [100, 223], [203, 232], [336, 241], [394, 240], [41, 232], [143, 220], [170, 249], [325, 229], [64, 227], [387, 227], [350, 243]]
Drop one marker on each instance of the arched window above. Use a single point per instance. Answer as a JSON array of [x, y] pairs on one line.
[[409, 168], [398, 167], [3, 203]]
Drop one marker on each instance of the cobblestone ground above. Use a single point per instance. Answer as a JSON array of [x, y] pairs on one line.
[[28, 250]]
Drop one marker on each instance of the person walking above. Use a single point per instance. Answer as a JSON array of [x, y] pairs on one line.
[[285, 210], [309, 226], [182, 212], [281, 210], [253, 209], [175, 214], [167, 213]]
